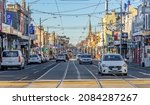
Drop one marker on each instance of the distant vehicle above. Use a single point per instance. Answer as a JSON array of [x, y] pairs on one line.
[[12, 59], [43, 59], [61, 57], [112, 64], [47, 58], [78, 56], [85, 58], [35, 58]]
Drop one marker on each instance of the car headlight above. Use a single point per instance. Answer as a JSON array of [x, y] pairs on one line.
[[125, 65], [104, 65]]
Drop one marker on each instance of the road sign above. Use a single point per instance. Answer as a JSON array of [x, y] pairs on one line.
[[31, 29], [9, 17]]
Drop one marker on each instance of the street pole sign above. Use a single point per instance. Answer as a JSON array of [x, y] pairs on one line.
[[0, 21], [31, 29]]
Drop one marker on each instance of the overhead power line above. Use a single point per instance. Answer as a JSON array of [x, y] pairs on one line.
[[85, 14]]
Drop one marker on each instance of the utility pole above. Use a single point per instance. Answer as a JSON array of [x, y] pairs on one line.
[[121, 27], [40, 37]]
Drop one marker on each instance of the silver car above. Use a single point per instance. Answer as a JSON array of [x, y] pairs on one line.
[[85, 58]]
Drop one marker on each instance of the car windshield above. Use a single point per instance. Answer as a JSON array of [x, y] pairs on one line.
[[10, 54], [61, 55], [112, 58], [85, 56], [33, 56]]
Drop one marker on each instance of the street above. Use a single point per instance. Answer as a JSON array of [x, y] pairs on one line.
[[72, 75]]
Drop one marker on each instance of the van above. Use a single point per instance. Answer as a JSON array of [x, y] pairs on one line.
[[12, 59]]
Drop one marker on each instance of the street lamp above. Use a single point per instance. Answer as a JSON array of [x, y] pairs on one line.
[[42, 21]]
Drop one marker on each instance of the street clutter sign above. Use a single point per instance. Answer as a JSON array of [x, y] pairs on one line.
[[116, 42], [5, 28], [0, 21], [9, 17], [31, 29]]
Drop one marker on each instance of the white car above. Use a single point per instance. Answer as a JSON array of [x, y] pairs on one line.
[[43, 59], [61, 57], [13, 58], [85, 58], [35, 58], [112, 64], [78, 57]]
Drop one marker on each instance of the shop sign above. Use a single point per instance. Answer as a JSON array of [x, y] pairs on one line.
[[15, 32], [5, 28], [11, 29], [19, 34], [116, 42]]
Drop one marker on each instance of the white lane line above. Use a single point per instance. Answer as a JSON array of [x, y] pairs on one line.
[[3, 72], [79, 77], [47, 72], [95, 66], [23, 78], [31, 67], [36, 72], [133, 76], [65, 74], [144, 73], [97, 80]]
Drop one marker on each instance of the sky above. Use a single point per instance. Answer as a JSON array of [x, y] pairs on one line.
[[70, 17]]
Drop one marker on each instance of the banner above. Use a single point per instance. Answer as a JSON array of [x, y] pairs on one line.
[[9, 17]]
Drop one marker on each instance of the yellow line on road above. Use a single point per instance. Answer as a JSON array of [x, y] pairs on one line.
[[76, 84]]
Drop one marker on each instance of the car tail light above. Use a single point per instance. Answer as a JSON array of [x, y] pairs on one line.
[[19, 59]]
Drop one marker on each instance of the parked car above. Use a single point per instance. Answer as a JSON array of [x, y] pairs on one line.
[[12, 59], [35, 58], [61, 57], [47, 58], [43, 59], [112, 64], [85, 58]]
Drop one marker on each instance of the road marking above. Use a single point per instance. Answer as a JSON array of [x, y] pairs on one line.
[[95, 66], [64, 75], [138, 68], [23, 78], [36, 72], [79, 77], [48, 71], [97, 80], [133, 76], [3, 72], [144, 73], [31, 67]]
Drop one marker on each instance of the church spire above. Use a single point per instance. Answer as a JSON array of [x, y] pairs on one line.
[[90, 26]]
